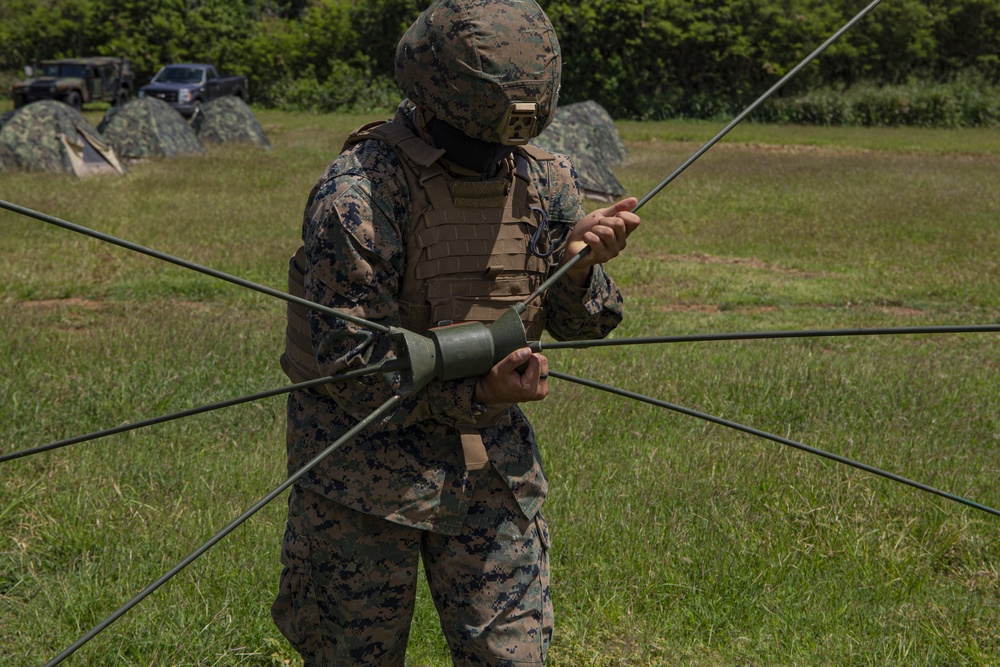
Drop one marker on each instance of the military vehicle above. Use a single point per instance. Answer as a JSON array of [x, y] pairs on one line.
[[76, 81]]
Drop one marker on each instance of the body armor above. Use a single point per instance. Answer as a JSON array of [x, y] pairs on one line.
[[470, 249]]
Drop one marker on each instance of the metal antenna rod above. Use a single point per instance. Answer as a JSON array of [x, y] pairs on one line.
[[385, 367], [191, 265], [711, 142], [97, 629], [758, 335], [776, 438]]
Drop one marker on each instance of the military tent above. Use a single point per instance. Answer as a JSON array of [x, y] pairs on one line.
[[586, 133], [148, 127], [52, 136], [228, 119]]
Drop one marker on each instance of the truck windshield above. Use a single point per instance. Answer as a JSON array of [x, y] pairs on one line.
[[179, 75], [63, 70]]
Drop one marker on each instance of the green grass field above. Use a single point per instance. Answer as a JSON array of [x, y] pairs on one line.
[[675, 541]]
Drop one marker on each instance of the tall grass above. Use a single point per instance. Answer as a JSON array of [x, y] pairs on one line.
[[674, 541]]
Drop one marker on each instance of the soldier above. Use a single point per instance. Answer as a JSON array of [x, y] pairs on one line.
[[443, 214]]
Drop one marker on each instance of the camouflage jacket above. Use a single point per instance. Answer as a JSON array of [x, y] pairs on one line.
[[410, 468]]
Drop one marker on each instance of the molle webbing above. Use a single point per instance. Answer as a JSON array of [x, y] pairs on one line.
[[472, 241], [467, 246], [479, 194]]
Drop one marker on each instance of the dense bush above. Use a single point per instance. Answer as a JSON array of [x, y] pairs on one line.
[[338, 55], [966, 101], [643, 59], [664, 58]]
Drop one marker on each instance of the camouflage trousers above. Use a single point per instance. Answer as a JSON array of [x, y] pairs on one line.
[[348, 586]]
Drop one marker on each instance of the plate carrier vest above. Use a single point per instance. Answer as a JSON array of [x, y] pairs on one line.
[[468, 256]]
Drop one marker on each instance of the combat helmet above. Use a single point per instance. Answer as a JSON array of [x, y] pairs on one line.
[[490, 68]]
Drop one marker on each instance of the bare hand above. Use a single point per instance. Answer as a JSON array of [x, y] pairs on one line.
[[505, 385], [605, 231]]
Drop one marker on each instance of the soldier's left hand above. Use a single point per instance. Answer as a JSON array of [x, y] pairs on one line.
[[605, 231], [519, 377]]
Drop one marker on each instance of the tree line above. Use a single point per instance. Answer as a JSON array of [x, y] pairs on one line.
[[909, 61]]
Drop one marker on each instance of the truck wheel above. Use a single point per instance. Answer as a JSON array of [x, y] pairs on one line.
[[122, 99], [73, 99]]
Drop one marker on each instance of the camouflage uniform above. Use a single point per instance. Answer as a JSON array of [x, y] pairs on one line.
[[359, 521]]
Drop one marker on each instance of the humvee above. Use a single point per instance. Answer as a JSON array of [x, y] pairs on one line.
[[76, 81]]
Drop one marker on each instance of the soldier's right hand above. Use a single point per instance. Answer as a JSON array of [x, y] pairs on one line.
[[506, 384]]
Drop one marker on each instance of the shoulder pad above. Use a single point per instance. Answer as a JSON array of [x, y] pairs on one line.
[[536, 153], [400, 139]]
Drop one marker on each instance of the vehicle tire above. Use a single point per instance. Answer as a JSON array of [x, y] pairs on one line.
[[73, 99], [195, 110], [122, 98]]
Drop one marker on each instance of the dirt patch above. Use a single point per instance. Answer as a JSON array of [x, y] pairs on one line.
[[200, 306], [803, 149], [900, 311], [72, 302], [711, 309], [750, 262], [794, 149], [91, 304]]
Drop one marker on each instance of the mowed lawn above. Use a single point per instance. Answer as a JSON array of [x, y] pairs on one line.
[[674, 540]]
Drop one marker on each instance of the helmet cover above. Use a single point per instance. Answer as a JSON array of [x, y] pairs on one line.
[[490, 68]]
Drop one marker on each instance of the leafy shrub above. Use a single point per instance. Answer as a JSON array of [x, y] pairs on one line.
[[642, 59], [965, 101], [7, 79], [345, 89], [825, 106]]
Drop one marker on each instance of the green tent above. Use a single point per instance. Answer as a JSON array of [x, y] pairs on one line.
[[148, 127], [228, 119], [586, 133], [50, 136]]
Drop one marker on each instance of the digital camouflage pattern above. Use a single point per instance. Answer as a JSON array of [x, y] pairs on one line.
[[468, 61], [586, 133], [50, 136], [411, 469], [147, 128], [405, 478], [228, 119], [349, 582]]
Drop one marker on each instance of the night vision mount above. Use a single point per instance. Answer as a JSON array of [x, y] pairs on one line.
[[518, 124]]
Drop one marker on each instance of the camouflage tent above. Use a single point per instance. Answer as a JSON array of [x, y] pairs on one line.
[[586, 133], [54, 137], [148, 127], [228, 119]]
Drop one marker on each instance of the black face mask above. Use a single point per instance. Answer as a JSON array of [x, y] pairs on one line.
[[465, 151]]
